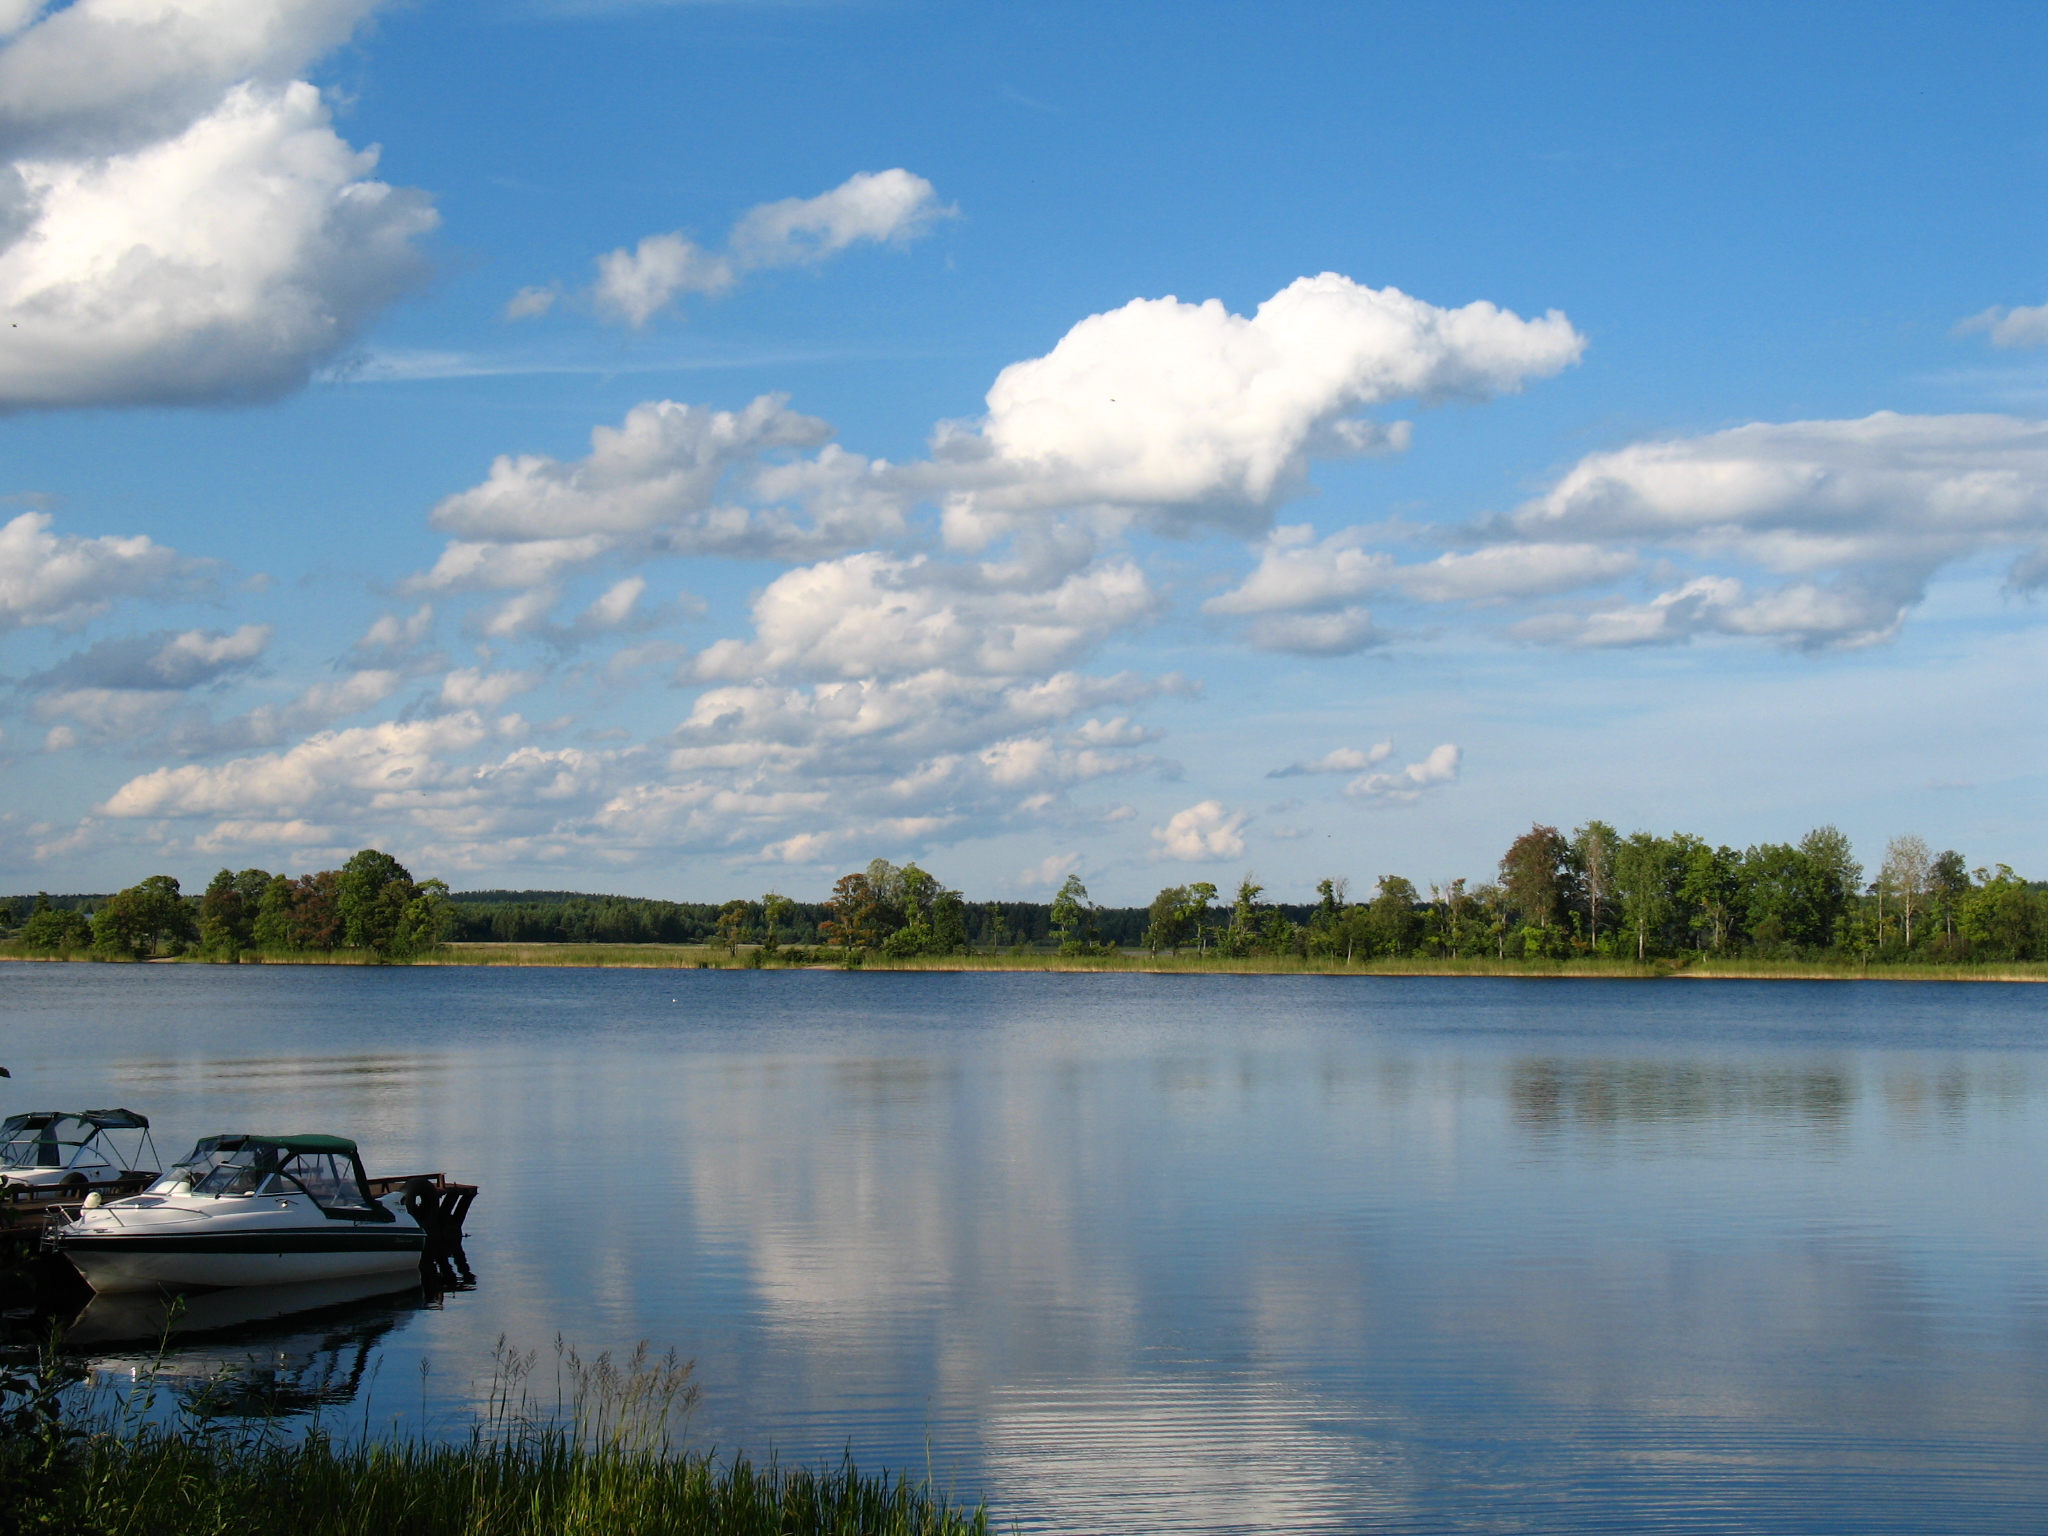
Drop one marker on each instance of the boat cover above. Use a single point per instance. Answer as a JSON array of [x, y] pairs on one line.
[[98, 1119]]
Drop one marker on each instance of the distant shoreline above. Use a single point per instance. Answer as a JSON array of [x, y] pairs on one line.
[[748, 957]]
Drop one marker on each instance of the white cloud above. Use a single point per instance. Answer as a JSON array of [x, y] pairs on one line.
[[1342, 633], [755, 773], [162, 662], [663, 467], [62, 579], [104, 74], [186, 225], [1296, 573], [1862, 512], [1409, 783], [110, 697], [671, 479], [613, 608], [889, 207], [634, 285], [1186, 415], [1050, 872], [2023, 327], [1799, 613], [520, 613], [380, 767], [1300, 592], [1511, 571], [472, 565], [474, 688], [1202, 834], [1341, 760], [531, 303], [872, 615], [270, 725], [1120, 731], [392, 639]]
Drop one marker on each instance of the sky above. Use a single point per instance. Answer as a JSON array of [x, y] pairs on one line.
[[690, 449]]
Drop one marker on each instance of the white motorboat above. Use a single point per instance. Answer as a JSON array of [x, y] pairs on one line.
[[246, 1210], [69, 1154]]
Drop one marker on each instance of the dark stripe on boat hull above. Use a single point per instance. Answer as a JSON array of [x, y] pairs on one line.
[[313, 1240]]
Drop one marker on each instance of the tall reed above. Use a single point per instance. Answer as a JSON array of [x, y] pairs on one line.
[[603, 1459]]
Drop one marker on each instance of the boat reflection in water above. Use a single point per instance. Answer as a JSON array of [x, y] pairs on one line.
[[270, 1351]]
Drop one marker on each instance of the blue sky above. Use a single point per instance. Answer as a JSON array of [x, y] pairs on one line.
[[1723, 510]]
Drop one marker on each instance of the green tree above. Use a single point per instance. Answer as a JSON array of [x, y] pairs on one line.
[[948, 923], [775, 911], [1200, 894], [1326, 923], [2002, 919], [272, 928], [855, 919], [1833, 876], [424, 921], [228, 912], [1647, 873], [1168, 928], [1069, 910], [1536, 873], [136, 922], [1392, 923], [1709, 892], [1907, 874], [49, 929], [732, 924], [1951, 883], [316, 911], [1592, 863]]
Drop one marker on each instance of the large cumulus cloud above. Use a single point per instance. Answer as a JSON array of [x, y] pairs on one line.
[[1186, 415], [179, 222]]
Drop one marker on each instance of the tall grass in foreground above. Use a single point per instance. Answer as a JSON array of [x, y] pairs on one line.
[[603, 1461]]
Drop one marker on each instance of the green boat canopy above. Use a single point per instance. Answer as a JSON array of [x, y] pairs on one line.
[[285, 1143]]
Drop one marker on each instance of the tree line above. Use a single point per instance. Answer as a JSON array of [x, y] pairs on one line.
[[1595, 892], [1554, 895], [371, 904]]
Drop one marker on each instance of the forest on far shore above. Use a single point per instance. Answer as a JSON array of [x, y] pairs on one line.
[[1590, 893]]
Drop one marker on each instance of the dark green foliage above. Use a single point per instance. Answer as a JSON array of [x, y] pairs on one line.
[[54, 930], [572, 917], [228, 912], [135, 923]]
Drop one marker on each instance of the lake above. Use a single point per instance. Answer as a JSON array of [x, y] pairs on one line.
[[1143, 1253]]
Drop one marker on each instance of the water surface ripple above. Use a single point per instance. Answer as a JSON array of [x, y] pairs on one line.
[[1136, 1253]]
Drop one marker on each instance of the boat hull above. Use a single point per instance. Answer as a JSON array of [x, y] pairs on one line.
[[135, 1262]]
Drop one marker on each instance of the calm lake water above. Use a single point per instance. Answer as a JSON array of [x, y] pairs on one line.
[[1137, 1253]]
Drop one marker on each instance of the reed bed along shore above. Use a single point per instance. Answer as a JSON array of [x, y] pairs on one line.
[[1137, 962], [602, 1460], [190, 1484], [1132, 962]]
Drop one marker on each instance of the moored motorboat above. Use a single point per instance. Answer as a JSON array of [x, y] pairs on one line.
[[247, 1210], [71, 1153]]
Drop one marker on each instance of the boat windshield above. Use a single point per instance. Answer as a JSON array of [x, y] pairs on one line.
[[239, 1166], [330, 1179], [242, 1172], [49, 1141]]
